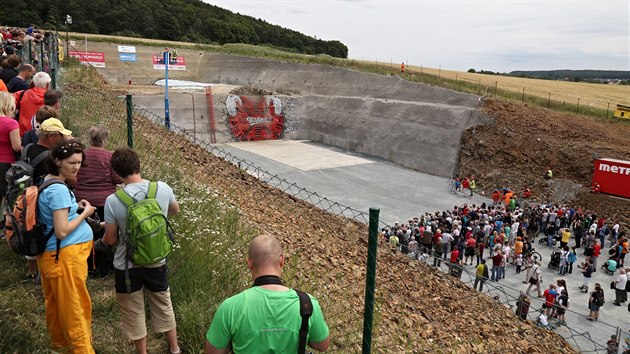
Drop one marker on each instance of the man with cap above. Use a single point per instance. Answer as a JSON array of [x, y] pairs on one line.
[[50, 133]]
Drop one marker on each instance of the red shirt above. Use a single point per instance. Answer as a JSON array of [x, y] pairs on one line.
[[550, 297], [454, 256], [30, 103], [471, 242], [596, 250]]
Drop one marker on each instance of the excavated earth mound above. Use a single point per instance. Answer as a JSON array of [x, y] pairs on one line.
[[525, 141]]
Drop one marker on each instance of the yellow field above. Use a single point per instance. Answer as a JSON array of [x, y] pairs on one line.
[[590, 95]]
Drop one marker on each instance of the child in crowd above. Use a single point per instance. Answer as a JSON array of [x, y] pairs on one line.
[[519, 263]]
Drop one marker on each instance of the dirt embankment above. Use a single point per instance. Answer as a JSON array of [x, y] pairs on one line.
[[420, 309], [525, 141]]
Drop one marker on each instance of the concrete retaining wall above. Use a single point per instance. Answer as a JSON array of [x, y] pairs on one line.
[[416, 125]]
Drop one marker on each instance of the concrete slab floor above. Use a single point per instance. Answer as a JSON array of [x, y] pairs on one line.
[[352, 179]]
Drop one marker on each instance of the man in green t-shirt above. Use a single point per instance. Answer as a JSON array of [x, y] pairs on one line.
[[265, 318]]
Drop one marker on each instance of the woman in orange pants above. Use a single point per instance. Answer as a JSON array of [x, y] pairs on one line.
[[63, 266]]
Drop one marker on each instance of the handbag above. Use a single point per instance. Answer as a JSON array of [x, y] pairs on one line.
[[612, 284]]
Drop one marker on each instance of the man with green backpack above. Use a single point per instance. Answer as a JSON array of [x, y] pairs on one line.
[[136, 217]]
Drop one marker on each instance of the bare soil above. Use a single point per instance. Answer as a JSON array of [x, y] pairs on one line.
[[525, 141]]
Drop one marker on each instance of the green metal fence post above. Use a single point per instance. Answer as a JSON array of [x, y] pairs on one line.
[[129, 121], [41, 56], [370, 282], [30, 52]]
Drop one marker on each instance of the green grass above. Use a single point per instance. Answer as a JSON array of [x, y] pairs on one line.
[[206, 267]]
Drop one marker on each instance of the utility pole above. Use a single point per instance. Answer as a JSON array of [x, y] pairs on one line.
[[167, 116], [68, 23]]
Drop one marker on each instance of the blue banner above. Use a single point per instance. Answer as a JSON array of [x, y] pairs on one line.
[[126, 57]]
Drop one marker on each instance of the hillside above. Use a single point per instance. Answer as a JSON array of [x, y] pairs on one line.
[[525, 141], [183, 20]]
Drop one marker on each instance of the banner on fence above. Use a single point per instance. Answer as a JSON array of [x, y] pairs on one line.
[[126, 49], [178, 63], [126, 57], [96, 59]]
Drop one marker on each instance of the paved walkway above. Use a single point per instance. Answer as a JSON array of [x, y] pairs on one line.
[[361, 182]]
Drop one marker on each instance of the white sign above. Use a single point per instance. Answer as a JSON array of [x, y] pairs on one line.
[[126, 49], [72, 43]]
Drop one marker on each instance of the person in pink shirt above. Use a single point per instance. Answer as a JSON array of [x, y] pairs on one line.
[[97, 180], [10, 142]]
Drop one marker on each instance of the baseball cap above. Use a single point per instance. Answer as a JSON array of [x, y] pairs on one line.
[[54, 125]]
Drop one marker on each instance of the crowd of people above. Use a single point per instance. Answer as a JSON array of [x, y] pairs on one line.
[[77, 187], [17, 41], [504, 233]]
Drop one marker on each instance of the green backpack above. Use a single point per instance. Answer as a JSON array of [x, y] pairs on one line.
[[149, 234]]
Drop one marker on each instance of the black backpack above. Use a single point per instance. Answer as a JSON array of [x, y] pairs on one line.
[[19, 176]]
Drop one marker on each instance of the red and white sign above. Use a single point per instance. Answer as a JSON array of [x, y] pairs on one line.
[[96, 59], [178, 63], [613, 176]]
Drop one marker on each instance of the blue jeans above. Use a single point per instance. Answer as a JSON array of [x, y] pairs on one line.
[[550, 240], [494, 276]]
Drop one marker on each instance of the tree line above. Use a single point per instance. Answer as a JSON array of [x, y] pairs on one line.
[[179, 20], [574, 75]]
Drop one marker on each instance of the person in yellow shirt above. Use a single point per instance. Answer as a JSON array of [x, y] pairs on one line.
[[566, 235]]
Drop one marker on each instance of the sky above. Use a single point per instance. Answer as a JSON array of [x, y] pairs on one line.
[[496, 35]]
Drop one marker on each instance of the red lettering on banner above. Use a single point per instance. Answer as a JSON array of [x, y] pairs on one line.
[[613, 176]]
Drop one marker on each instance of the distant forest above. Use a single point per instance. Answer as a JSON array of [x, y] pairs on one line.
[[575, 75], [179, 20]]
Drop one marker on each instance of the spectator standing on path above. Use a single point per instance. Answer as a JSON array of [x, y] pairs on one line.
[[9, 71], [52, 102], [562, 305], [550, 295], [597, 249], [620, 288], [497, 258], [587, 272], [126, 164], [572, 258], [9, 135], [437, 253], [565, 237], [447, 238], [529, 264], [20, 82], [535, 279], [63, 266], [31, 100], [481, 275], [595, 301], [266, 317], [519, 263], [479, 250], [624, 248]]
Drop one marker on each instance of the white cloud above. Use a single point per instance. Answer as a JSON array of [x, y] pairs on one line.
[[493, 35]]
